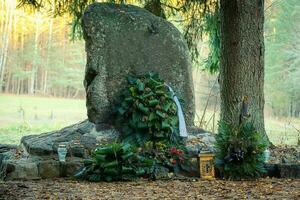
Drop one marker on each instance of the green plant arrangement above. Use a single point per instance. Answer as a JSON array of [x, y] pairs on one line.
[[166, 155], [114, 162], [147, 111], [240, 151], [149, 141]]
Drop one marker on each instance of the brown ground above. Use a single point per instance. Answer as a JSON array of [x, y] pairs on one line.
[[218, 189], [285, 154]]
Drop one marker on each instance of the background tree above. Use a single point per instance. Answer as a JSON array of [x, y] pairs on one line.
[[6, 26]]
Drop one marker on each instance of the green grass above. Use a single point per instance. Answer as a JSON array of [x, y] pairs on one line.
[[24, 115], [280, 131], [44, 114]]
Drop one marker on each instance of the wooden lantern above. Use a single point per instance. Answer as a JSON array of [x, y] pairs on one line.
[[206, 165]]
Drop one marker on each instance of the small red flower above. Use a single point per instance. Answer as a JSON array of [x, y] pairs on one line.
[[179, 152], [173, 150], [174, 162]]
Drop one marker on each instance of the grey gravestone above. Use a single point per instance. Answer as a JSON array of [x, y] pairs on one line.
[[125, 39]]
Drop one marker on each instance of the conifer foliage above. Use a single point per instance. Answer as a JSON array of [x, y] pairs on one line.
[[240, 151]]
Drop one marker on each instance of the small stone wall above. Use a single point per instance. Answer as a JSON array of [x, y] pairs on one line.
[[36, 157]]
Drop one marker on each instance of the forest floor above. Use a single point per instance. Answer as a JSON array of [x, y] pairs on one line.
[[195, 189]]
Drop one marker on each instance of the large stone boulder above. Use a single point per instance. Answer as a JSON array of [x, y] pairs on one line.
[[125, 39], [85, 133]]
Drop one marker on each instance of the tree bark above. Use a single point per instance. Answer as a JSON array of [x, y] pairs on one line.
[[242, 60], [22, 85], [6, 37], [34, 70], [48, 56]]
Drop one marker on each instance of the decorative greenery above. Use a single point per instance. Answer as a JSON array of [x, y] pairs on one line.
[[147, 118], [122, 161], [176, 158], [168, 156], [240, 151], [116, 161], [147, 111]]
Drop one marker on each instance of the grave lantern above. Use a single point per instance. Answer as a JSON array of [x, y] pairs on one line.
[[206, 165], [62, 152]]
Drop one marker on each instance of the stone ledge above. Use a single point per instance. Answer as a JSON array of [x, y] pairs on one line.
[[38, 168], [86, 133], [283, 170]]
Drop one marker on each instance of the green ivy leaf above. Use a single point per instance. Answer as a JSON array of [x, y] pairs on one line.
[[143, 108], [131, 80], [148, 95], [121, 110], [167, 106], [160, 114], [165, 125], [133, 91], [153, 102], [110, 164], [140, 85], [152, 116]]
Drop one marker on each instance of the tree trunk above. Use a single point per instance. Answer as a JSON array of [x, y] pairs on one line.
[[8, 82], [2, 27], [6, 37], [48, 56], [242, 61], [22, 85], [18, 86], [34, 70]]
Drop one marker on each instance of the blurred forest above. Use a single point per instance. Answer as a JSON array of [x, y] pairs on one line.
[[282, 61], [38, 58], [282, 58]]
